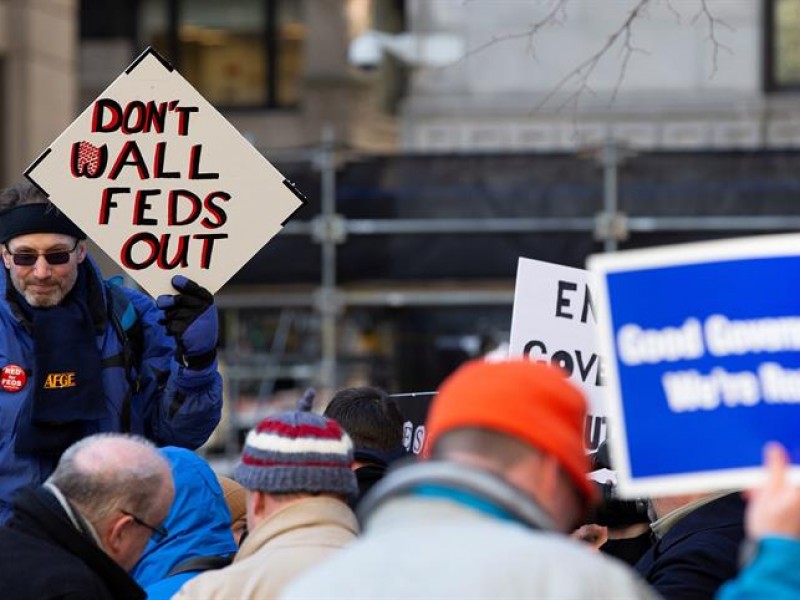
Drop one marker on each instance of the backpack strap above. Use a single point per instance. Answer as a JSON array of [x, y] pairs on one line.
[[201, 563], [125, 321]]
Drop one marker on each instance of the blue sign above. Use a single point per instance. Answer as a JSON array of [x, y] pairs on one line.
[[704, 361]]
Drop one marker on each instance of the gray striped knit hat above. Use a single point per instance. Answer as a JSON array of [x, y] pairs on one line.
[[298, 451]]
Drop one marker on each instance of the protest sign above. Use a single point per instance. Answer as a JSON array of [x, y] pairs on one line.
[[162, 182], [413, 408], [554, 321], [703, 342]]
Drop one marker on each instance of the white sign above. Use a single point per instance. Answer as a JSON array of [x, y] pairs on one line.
[[554, 321], [163, 183]]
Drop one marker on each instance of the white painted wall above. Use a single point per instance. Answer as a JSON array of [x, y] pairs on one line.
[[674, 92]]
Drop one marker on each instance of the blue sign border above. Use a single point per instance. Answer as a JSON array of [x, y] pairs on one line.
[[708, 434]]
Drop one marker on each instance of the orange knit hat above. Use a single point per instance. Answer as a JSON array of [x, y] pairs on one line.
[[533, 402]]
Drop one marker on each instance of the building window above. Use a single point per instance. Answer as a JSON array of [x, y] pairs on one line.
[[237, 53], [782, 39]]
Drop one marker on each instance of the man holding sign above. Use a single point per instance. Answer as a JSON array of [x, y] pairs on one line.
[[79, 355]]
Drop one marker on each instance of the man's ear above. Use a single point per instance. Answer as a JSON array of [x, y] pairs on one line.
[[549, 474], [6, 257], [81, 251], [114, 535], [259, 500]]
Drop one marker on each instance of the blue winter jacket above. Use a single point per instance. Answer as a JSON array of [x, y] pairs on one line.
[[173, 405], [773, 574], [199, 525]]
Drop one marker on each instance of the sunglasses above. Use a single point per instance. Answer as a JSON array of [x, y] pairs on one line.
[[159, 533], [28, 259]]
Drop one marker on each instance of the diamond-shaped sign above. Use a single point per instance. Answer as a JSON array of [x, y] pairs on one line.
[[163, 183]]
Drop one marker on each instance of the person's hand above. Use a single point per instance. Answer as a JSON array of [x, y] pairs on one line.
[[592, 534], [191, 318], [773, 508]]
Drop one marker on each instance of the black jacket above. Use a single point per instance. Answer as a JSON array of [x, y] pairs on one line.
[[43, 557], [699, 553], [366, 477]]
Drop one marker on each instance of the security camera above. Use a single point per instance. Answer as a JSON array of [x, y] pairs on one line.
[[366, 51], [419, 50]]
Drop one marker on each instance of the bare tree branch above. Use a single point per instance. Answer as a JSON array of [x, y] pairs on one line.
[[583, 71], [550, 18], [627, 50], [713, 23], [623, 36], [673, 11]]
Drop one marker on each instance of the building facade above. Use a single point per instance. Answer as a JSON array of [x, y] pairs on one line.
[[704, 95], [556, 76], [277, 69]]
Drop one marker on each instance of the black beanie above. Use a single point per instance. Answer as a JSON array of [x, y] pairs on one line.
[[39, 217]]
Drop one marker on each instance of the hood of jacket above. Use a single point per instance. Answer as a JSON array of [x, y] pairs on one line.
[[198, 524]]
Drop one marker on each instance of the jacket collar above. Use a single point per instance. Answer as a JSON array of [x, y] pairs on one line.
[[662, 525], [78, 521], [491, 489], [314, 511], [727, 511], [38, 513]]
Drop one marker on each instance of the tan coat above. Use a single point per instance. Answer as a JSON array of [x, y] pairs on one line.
[[288, 542]]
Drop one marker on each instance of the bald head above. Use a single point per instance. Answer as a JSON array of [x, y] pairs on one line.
[[105, 473], [106, 453]]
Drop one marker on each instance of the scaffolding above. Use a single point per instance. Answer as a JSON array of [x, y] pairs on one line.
[[330, 229]]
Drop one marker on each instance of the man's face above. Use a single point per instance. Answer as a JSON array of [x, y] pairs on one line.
[[43, 284]]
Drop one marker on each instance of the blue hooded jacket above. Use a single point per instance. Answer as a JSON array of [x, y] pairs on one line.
[[198, 525], [173, 405], [772, 574]]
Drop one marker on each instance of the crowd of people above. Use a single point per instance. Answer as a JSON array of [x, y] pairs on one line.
[[105, 394]]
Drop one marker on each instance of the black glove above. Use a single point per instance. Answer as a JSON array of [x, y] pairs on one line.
[[191, 318]]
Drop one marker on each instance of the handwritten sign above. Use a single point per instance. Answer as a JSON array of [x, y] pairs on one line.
[[703, 343], [163, 183], [554, 321]]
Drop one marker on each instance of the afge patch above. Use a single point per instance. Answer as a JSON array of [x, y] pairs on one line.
[[55, 381]]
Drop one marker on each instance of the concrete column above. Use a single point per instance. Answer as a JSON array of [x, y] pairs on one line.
[[39, 74]]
